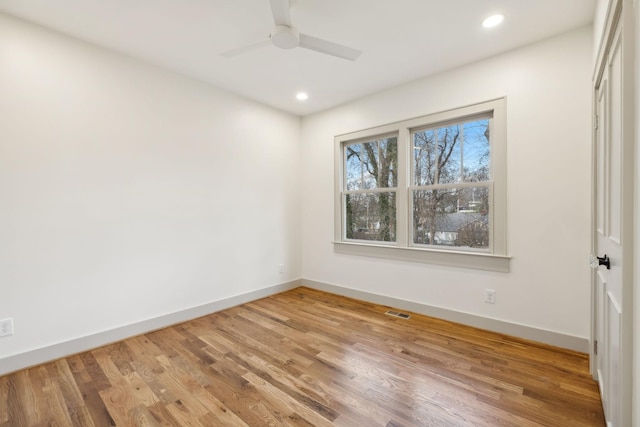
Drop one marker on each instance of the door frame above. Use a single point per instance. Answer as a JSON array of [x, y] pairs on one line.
[[619, 12]]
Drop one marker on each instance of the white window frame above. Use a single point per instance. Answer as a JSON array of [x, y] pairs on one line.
[[495, 258]]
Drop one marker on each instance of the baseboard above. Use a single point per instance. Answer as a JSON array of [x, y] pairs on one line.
[[53, 352], [522, 331]]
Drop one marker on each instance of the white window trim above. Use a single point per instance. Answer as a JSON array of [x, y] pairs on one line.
[[496, 259]]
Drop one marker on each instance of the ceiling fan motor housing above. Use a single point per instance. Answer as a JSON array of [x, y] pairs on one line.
[[285, 37]]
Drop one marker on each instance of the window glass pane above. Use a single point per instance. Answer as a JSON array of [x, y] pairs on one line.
[[476, 151], [449, 143], [371, 216], [372, 164], [452, 217], [424, 157], [451, 154]]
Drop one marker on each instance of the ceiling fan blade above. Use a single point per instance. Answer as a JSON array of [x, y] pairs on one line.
[[244, 49], [330, 48], [280, 11]]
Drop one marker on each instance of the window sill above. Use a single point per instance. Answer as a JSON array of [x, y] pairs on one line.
[[475, 260]]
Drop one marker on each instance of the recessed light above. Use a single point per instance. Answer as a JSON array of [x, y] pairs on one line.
[[492, 21], [302, 96]]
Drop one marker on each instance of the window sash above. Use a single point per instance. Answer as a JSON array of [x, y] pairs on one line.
[[393, 227], [443, 125], [362, 141], [487, 185]]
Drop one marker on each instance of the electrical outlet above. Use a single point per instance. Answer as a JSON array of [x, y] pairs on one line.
[[490, 296], [6, 327], [281, 268]]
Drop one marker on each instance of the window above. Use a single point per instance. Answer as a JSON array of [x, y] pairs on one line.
[[429, 189]]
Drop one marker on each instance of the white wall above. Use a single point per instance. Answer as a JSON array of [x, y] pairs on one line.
[[636, 290], [547, 86], [127, 192], [599, 17]]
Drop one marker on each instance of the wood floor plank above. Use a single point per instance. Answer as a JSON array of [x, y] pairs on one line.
[[21, 400], [4, 400], [92, 402], [67, 388], [309, 358], [50, 408]]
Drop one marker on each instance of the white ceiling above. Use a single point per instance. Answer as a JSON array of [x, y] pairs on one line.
[[401, 40]]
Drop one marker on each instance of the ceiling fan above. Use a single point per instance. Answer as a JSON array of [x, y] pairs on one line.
[[286, 36]]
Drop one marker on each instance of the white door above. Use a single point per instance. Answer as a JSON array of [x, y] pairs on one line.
[[612, 279]]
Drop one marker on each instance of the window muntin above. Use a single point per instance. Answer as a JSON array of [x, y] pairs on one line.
[[370, 187], [451, 185]]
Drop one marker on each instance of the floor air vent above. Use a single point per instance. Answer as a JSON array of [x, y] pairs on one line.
[[397, 314]]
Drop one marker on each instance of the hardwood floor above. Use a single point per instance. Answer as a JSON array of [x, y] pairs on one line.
[[306, 358]]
